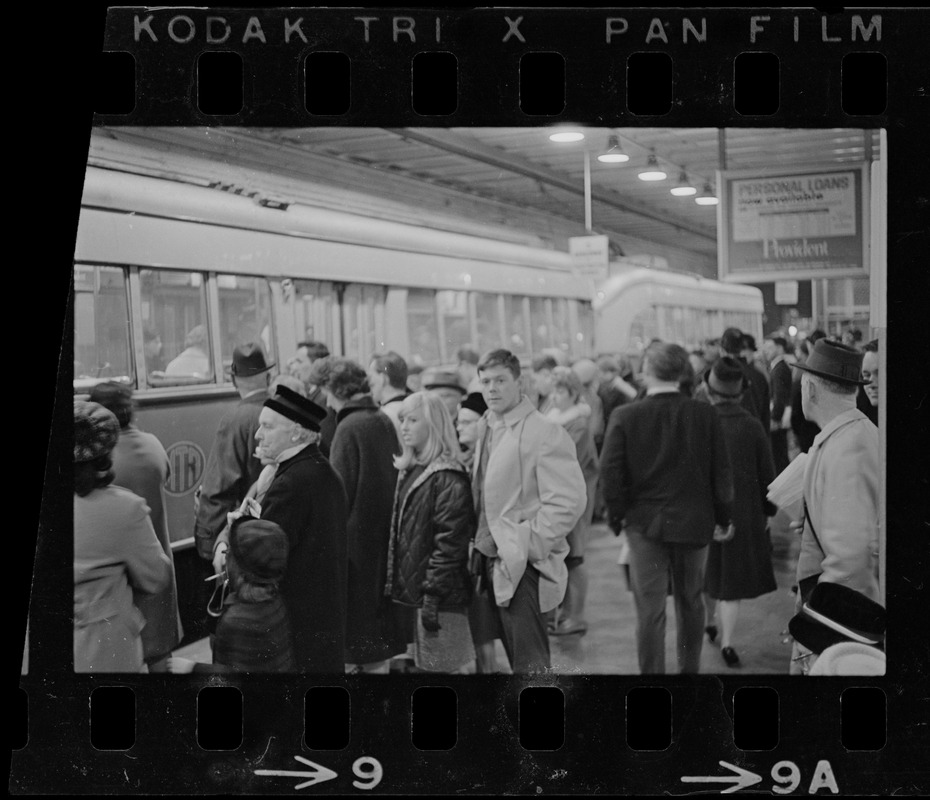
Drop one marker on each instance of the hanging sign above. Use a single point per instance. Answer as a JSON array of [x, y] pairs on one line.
[[786, 293], [589, 255], [793, 224]]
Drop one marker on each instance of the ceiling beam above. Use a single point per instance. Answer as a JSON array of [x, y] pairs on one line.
[[477, 151]]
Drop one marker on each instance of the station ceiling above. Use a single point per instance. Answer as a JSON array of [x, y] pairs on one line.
[[521, 167]]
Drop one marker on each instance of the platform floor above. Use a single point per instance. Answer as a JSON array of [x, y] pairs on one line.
[[609, 645]]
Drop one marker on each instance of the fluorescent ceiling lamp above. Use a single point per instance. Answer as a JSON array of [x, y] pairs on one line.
[[566, 136], [614, 154], [684, 187], [707, 197], [652, 171]]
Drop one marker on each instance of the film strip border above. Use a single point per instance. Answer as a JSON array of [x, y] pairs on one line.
[[440, 734], [59, 750], [294, 67]]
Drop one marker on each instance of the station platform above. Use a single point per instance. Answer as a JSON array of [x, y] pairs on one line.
[[609, 645]]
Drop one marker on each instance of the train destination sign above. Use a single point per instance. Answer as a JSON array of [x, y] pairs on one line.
[[813, 223]]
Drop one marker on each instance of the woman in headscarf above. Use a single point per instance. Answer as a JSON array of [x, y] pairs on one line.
[[739, 561], [116, 552], [432, 524]]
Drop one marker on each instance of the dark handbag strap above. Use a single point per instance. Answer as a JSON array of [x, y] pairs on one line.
[[807, 516]]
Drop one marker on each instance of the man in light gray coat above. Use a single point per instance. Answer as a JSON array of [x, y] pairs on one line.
[[529, 493]]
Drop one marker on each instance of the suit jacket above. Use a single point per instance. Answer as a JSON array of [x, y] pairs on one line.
[[841, 485], [231, 469], [665, 471], [308, 500], [533, 493]]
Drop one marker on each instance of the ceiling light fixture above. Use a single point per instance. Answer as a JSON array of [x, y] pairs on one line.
[[566, 136], [684, 187], [614, 154], [707, 197], [652, 171]]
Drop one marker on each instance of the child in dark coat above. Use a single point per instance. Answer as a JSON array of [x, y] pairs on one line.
[[253, 633]]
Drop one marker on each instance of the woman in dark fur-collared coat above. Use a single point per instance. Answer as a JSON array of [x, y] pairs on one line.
[[362, 452], [432, 524]]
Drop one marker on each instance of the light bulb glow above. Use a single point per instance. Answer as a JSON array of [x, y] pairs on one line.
[[707, 197], [613, 158], [683, 191], [792, 330], [566, 136], [652, 172]]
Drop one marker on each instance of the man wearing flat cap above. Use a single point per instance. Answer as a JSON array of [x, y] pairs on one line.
[[307, 499], [839, 542], [231, 466]]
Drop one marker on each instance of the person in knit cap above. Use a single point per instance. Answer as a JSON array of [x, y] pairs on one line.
[[466, 425], [116, 552], [253, 633], [739, 566]]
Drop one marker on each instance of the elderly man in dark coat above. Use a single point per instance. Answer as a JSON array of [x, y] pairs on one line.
[[231, 467], [140, 464], [308, 500], [362, 453]]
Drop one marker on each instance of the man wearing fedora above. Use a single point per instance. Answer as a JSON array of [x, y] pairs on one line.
[[231, 467], [839, 539], [448, 386]]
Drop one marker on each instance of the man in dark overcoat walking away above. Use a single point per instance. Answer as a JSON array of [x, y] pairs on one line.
[[667, 482], [308, 500]]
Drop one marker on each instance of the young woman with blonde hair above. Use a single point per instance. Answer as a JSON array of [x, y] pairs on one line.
[[431, 526]]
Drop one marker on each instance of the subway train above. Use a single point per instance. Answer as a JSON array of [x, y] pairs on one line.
[[169, 276]]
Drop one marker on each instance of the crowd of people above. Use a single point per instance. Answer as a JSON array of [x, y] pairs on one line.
[[376, 518]]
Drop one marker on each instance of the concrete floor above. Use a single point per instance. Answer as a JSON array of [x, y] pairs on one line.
[[609, 646]]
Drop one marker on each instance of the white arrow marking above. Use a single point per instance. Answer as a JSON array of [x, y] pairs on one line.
[[318, 775], [741, 780]]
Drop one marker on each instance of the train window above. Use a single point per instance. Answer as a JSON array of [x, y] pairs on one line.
[[422, 325], [539, 325], [101, 327], [584, 337], [315, 308], [561, 327], [245, 315], [644, 328], [516, 317], [363, 313], [487, 316], [174, 316], [454, 322]]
